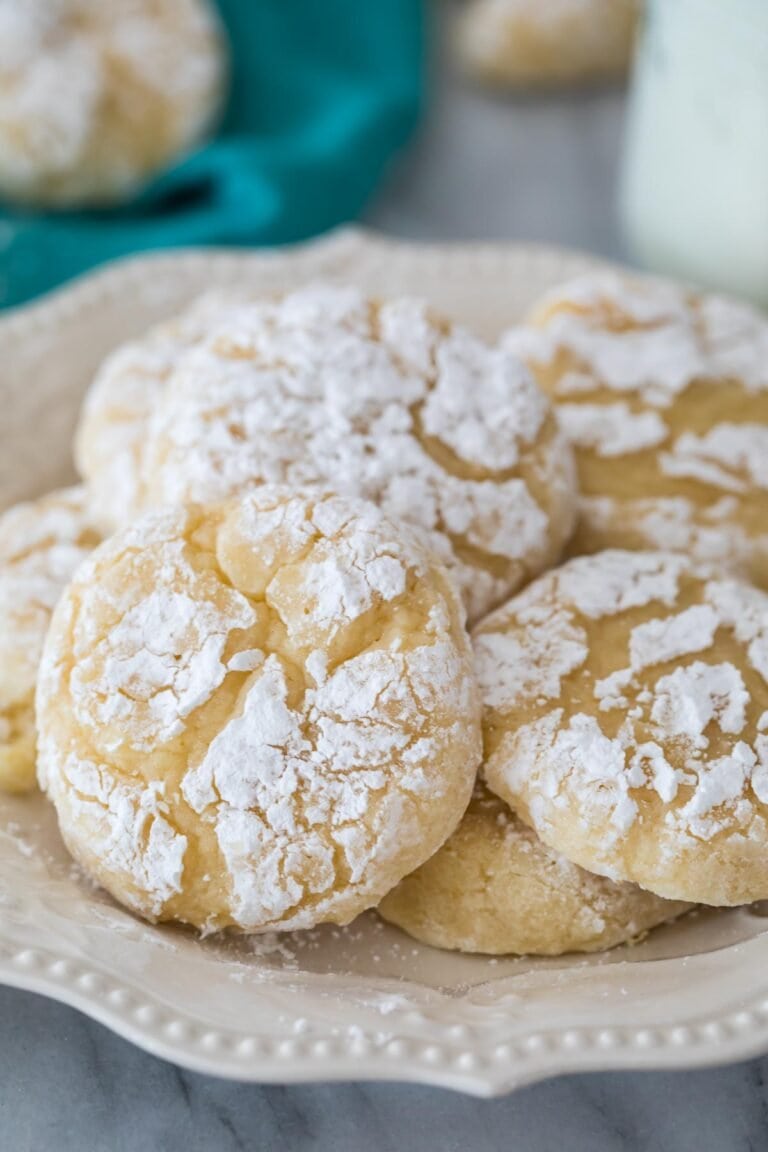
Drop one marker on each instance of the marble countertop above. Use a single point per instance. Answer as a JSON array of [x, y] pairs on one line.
[[68, 1085], [482, 168]]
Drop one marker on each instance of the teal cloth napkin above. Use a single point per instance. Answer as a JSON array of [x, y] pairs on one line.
[[323, 93]]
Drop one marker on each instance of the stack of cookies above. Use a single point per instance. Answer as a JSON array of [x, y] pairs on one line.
[[324, 660]]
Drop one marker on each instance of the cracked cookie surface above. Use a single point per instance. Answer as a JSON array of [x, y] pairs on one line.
[[114, 419], [41, 544], [258, 714], [494, 887], [665, 398], [383, 401], [626, 721]]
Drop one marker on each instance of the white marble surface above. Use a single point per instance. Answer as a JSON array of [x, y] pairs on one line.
[[540, 170], [67, 1085]]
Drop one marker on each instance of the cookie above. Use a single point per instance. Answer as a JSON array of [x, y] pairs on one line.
[[114, 419], [96, 97], [41, 544], [665, 397], [495, 888], [626, 721], [383, 401], [530, 43], [257, 715]]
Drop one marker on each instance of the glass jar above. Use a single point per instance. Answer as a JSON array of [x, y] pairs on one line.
[[694, 196]]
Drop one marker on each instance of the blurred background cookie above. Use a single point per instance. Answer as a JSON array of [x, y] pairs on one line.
[[543, 43], [96, 97]]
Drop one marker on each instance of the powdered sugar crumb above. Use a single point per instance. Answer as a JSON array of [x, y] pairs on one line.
[[620, 582], [611, 429]]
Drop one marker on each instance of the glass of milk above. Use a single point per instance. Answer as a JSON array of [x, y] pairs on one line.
[[694, 196]]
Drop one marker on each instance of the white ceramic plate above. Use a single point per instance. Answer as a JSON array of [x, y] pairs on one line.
[[364, 1002]]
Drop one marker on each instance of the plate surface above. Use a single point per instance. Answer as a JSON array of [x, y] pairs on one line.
[[366, 1001]]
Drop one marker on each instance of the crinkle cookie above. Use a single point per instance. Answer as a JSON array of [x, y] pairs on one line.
[[97, 95], [260, 714], [381, 401], [541, 43], [41, 544], [113, 423], [495, 888], [626, 720], [665, 396]]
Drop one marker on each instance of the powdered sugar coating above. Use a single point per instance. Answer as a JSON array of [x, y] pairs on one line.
[[94, 97], [665, 397], [611, 429], [712, 534], [114, 419], [494, 887], [643, 760], [258, 714], [733, 457], [383, 401], [41, 544]]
